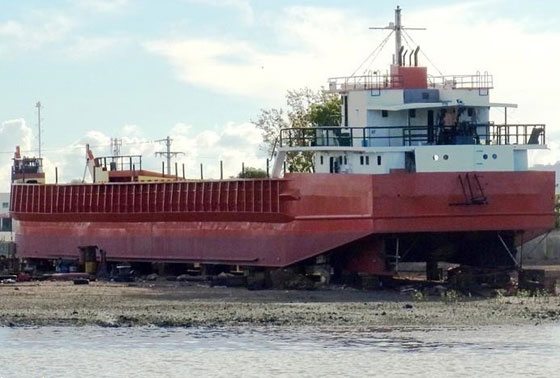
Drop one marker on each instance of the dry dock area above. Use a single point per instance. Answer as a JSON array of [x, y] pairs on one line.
[[190, 305]]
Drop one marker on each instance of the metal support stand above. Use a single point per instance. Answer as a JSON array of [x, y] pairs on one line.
[[508, 251]]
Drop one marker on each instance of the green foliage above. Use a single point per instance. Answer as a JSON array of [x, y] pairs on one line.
[[327, 113], [251, 172], [535, 294], [418, 296], [451, 296], [305, 109]]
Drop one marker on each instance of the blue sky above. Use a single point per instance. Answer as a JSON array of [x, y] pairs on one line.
[[200, 70]]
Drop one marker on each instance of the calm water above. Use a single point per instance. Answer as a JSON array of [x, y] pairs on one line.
[[154, 352]]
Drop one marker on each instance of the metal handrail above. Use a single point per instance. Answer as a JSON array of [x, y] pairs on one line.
[[482, 81], [373, 81], [336, 136]]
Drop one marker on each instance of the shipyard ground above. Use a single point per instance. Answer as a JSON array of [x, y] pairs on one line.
[[177, 304]]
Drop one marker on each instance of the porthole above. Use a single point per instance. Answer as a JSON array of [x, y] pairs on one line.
[[494, 156], [435, 157], [445, 157], [485, 156]]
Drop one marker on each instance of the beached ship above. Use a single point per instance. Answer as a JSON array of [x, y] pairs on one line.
[[415, 172]]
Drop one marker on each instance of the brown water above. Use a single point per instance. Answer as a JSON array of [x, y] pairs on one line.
[[256, 352]]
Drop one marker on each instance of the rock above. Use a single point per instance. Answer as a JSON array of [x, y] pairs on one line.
[[408, 306], [81, 281], [152, 277], [288, 279]]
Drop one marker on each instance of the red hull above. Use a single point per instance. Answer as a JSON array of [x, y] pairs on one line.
[[271, 223]]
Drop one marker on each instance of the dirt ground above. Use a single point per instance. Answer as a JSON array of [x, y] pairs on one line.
[[187, 304]]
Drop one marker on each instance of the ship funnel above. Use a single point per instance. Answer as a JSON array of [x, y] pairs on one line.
[[410, 58], [404, 57], [416, 56], [399, 61]]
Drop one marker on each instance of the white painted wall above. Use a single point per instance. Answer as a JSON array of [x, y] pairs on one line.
[[464, 158], [5, 220]]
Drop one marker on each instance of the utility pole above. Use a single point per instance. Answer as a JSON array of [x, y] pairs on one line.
[[116, 146], [38, 106], [168, 154]]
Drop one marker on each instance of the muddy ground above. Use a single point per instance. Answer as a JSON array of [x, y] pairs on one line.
[[187, 304]]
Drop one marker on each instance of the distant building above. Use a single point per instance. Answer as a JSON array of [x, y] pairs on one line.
[[5, 219]]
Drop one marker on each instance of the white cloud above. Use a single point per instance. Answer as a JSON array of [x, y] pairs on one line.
[[12, 133], [233, 144], [242, 6], [91, 47], [314, 43], [104, 6], [36, 29]]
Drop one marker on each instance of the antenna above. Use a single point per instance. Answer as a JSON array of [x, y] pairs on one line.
[[38, 106], [397, 28], [116, 146], [168, 154]]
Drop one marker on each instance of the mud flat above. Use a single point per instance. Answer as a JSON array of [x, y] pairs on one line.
[[188, 305]]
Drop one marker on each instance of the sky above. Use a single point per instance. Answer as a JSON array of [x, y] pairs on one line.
[[200, 70]]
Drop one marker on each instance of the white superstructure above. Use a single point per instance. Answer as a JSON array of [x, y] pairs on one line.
[[408, 120]]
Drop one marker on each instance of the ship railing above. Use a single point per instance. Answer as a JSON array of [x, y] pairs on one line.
[[386, 136], [371, 81], [119, 163], [518, 134], [477, 81]]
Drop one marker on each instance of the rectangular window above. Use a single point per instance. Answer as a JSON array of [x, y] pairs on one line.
[[321, 159], [361, 160], [384, 113], [412, 113], [367, 160], [425, 95], [6, 224], [5, 205], [470, 112], [379, 160], [345, 160]]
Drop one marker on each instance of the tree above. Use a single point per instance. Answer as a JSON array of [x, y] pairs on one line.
[[305, 109], [251, 172]]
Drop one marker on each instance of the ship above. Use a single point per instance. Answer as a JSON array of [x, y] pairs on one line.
[[416, 171]]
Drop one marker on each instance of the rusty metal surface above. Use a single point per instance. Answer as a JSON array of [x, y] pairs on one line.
[[268, 222]]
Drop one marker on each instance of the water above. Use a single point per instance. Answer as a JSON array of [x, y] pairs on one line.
[[257, 352]]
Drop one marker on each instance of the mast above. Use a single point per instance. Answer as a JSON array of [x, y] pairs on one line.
[[398, 41], [397, 28]]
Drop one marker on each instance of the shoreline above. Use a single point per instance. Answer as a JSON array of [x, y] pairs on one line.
[[187, 305]]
